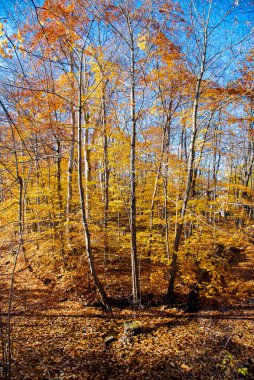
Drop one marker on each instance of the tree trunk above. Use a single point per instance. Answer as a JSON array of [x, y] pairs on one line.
[[70, 175], [134, 261], [89, 253], [71, 162], [87, 169], [105, 172], [190, 169]]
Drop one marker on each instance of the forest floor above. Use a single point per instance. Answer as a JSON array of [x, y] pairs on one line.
[[55, 336]]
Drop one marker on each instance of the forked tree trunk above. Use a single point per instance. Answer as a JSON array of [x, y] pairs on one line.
[[89, 253], [190, 170]]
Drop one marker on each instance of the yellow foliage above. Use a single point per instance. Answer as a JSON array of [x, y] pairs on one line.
[[142, 42]]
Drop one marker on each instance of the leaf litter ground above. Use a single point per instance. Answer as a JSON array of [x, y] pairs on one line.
[[55, 336]]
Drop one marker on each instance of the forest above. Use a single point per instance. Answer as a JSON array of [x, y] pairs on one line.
[[126, 189]]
